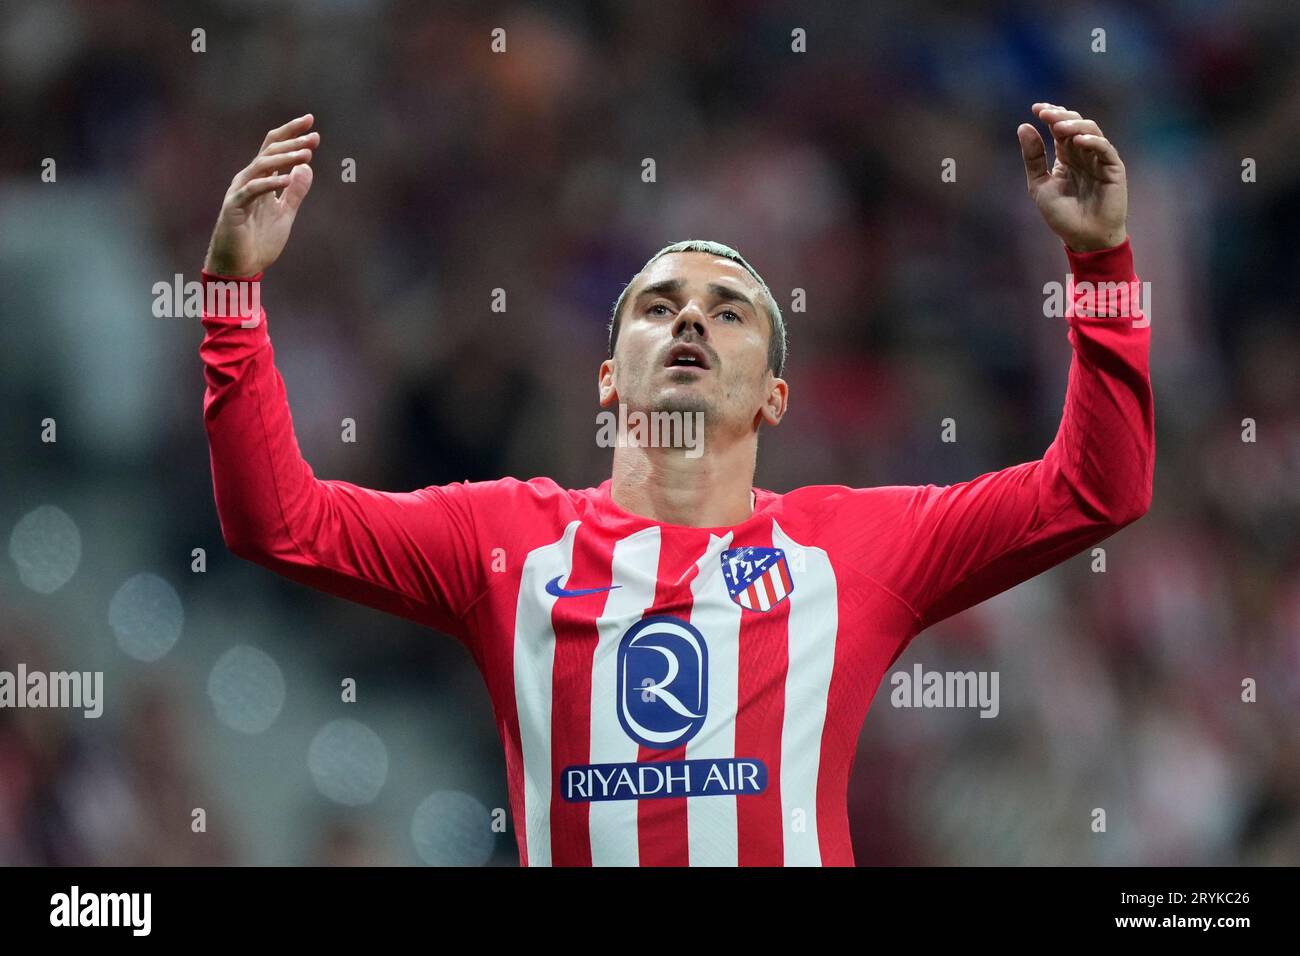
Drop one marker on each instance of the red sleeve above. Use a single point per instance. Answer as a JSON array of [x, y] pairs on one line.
[[943, 549], [411, 554]]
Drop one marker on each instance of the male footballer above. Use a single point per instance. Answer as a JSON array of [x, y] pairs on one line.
[[680, 663]]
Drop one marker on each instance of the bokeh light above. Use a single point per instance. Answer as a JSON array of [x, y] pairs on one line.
[[247, 689], [452, 828], [348, 762], [146, 615], [46, 546]]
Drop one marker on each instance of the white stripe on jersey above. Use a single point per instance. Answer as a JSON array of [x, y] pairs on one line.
[[534, 664], [612, 824], [813, 622], [712, 825], [711, 821]]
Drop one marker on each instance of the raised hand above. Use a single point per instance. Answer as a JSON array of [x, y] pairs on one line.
[[1084, 196], [254, 223]]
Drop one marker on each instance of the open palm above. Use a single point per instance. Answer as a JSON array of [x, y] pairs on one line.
[[1084, 196], [255, 222]]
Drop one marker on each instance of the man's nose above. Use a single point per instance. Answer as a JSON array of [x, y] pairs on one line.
[[691, 317]]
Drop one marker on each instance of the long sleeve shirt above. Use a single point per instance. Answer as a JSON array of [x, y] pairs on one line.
[[671, 695]]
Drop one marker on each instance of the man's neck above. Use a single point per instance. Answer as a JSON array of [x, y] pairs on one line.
[[714, 490]]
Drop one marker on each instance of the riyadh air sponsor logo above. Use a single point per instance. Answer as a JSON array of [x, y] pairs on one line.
[[662, 699], [663, 681], [672, 778]]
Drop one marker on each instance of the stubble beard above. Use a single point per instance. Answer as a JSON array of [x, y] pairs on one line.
[[689, 403]]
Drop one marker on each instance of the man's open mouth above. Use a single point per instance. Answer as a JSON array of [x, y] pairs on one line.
[[687, 356]]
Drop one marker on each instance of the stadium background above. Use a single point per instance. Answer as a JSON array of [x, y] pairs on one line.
[[522, 171]]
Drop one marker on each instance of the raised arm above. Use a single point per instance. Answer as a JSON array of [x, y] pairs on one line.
[[972, 540], [411, 554], [943, 549]]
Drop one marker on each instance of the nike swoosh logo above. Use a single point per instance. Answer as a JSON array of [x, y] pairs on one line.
[[553, 587]]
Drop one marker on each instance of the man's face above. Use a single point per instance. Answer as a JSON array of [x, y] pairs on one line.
[[693, 337]]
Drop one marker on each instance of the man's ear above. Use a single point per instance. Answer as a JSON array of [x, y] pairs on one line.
[[605, 383], [774, 403]]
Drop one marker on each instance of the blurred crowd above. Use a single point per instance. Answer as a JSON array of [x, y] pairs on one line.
[[522, 170]]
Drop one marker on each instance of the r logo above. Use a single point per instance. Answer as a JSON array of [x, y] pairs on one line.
[[663, 676]]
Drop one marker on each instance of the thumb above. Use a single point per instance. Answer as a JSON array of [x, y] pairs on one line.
[[299, 183], [1034, 154]]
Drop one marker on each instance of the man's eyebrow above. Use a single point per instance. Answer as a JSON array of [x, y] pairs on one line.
[[669, 286], [729, 294], [664, 287]]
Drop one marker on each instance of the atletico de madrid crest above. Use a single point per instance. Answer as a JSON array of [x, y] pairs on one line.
[[758, 579]]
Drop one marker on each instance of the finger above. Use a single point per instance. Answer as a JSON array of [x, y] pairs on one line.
[[1060, 140], [1039, 109], [1050, 113], [1034, 153], [1056, 114], [267, 165], [276, 162], [299, 183], [292, 128], [1098, 147], [257, 187], [309, 141], [1063, 129]]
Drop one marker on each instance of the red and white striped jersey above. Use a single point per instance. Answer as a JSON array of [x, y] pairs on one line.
[[670, 695]]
